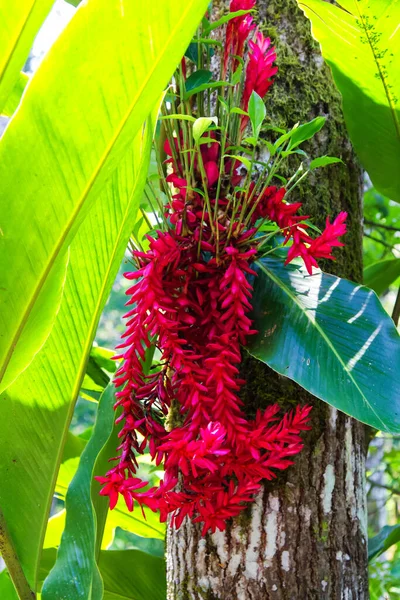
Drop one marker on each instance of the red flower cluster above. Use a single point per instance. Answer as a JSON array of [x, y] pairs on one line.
[[196, 309], [272, 206], [190, 299]]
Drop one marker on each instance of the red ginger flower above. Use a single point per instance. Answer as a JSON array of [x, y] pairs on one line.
[[237, 32], [191, 295], [260, 68], [320, 247], [198, 312]]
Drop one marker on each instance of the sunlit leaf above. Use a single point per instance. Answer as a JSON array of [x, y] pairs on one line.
[[360, 41], [20, 20], [82, 109]]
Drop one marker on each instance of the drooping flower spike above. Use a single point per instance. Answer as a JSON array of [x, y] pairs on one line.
[[190, 299]]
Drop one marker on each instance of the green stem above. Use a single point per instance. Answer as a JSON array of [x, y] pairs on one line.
[[12, 563]]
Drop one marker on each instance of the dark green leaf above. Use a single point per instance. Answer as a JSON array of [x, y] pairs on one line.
[[198, 77], [104, 358], [192, 52], [389, 535], [380, 275], [332, 336], [205, 86]]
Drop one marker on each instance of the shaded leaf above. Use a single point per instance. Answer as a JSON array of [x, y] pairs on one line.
[[197, 78], [381, 274], [387, 537], [331, 336], [133, 575], [127, 574]]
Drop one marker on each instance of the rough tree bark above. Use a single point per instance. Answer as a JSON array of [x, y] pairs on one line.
[[305, 537]]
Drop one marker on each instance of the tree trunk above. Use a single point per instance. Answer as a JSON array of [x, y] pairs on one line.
[[305, 537]]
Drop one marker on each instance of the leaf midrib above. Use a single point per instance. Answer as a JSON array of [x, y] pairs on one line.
[[319, 329], [75, 214]]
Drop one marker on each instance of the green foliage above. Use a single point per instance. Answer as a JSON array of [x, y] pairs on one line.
[[360, 42], [323, 161], [384, 579], [127, 575], [381, 227], [97, 137], [380, 275], [198, 77], [331, 336], [90, 165], [387, 537], [257, 112], [77, 573]]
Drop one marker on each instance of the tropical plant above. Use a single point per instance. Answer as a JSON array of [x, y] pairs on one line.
[[224, 265]]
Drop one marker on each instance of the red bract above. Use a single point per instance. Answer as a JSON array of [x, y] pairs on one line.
[[260, 69], [237, 32], [191, 298]]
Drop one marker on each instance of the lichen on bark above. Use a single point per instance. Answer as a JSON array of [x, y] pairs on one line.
[[304, 538]]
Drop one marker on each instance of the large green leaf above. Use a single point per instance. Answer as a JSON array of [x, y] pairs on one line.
[[360, 41], [388, 536], [36, 409], [79, 115], [75, 571], [381, 274], [330, 335], [20, 20]]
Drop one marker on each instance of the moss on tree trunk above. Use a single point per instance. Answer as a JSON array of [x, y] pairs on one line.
[[305, 537]]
